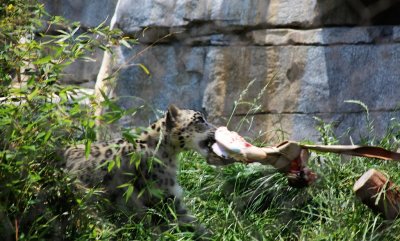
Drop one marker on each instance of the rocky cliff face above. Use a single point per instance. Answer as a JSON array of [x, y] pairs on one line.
[[286, 62]]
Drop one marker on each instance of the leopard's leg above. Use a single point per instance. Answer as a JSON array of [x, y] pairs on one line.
[[185, 218]]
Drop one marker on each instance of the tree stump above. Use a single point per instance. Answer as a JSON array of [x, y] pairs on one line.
[[378, 193]]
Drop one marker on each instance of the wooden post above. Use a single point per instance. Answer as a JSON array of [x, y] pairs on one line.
[[378, 193]]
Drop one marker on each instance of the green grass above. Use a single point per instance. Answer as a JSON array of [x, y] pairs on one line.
[[254, 202], [241, 202], [235, 202]]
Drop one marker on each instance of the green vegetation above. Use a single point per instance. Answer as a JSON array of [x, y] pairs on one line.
[[255, 203], [37, 117], [38, 201]]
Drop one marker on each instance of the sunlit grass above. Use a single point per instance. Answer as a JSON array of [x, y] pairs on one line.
[[255, 203]]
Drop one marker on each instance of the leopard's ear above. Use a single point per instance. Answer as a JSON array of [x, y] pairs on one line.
[[172, 116]]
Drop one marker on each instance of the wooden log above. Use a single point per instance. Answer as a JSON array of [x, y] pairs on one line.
[[378, 193]]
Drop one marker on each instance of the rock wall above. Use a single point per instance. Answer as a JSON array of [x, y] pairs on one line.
[[90, 13], [294, 60]]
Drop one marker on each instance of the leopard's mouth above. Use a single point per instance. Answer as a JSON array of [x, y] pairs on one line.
[[212, 158], [207, 143]]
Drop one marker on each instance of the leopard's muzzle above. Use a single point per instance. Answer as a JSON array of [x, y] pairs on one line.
[[211, 157]]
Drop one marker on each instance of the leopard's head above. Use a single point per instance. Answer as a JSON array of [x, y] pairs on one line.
[[188, 129]]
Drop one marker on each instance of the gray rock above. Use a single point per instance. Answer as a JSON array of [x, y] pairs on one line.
[[325, 36], [83, 72], [230, 14], [311, 79], [174, 72], [347, 128], [277, 63], [89, 13], [295, 82]]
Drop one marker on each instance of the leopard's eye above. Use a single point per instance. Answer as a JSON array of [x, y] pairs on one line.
[[201, 127], [200, 119]]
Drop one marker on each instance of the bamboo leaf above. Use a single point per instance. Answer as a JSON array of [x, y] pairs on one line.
[[125, 43], [128, 192], [87, 148], [144, 69], [111, 165], [43, 60]]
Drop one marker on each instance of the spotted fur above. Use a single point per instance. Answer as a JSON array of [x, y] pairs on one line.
[[157, 149]]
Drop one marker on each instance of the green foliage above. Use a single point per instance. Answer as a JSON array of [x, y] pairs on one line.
[[326, 131], [254, 202], [37, 117]]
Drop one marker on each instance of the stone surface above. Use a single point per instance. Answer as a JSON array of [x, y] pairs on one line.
[[289, 83], [89, 13], [310, 79], [231, 14], [325, 36], [83, 72], [277, 63], [348, 127]]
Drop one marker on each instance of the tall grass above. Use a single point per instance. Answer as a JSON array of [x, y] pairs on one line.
[[254, 202]]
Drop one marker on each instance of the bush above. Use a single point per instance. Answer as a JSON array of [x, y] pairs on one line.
[[37, 117]]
